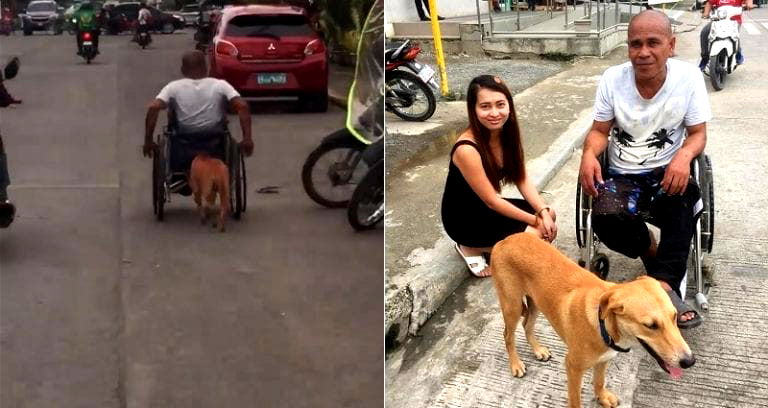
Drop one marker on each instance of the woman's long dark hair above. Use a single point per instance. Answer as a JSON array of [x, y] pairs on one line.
[[513, 166]]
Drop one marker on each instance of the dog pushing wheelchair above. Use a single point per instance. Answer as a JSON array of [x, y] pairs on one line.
[[704, 223], [174, 154]]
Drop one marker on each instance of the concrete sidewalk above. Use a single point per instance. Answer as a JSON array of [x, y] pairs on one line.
[[421, 266], [340, 78]]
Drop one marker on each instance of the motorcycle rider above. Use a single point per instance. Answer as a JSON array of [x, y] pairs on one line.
[[7, 209], [142, 23], [86, 21], [704, 35]]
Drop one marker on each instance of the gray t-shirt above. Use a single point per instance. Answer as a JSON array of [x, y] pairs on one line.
[[199, 104], [648, 132]]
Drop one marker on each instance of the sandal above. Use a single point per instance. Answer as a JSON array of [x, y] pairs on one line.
[[683, 308], [476, 264]]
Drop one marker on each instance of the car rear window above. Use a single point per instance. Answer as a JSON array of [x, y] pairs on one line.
[[268, 26]]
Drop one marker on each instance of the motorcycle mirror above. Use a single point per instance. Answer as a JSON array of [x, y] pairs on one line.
[[11, 68]]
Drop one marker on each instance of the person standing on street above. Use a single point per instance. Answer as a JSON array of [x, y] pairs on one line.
[[423, 16]]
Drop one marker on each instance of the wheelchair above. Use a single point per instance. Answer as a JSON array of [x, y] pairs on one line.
[[597, 262], [167, 181]]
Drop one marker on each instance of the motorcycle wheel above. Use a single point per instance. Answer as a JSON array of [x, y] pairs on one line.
[[366, 208], [718, 70], [409, 92], [333, 170]]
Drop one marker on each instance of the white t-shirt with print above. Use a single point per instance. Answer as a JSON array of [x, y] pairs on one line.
[[648, 132], [200, 104]]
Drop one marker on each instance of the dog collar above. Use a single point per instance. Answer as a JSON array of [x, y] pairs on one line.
[[606, 337]]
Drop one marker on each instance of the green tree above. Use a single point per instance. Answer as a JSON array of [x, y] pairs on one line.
[[342, 21]]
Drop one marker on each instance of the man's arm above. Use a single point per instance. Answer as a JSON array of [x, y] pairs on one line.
[[679, 169], [240, 106], [149, 125], [594, 144], [707, 9]]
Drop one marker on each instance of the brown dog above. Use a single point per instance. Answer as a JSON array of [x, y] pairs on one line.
[[594, 318], [208, 176]]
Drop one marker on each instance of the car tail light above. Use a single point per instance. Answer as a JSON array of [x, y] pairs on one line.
[[226, 48], [314, 47], [412, 53], [87, 36]]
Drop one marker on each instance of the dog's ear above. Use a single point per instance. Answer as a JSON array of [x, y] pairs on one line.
[[610, 302]]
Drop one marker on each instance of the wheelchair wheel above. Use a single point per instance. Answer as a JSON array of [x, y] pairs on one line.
[[582, 203], [366, 207], [236, 203], [708, 198], [158, 185]]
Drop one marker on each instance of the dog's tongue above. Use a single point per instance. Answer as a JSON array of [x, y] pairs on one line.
[[674, 372]]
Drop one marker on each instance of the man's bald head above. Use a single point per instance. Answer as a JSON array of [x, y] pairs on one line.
[[651, 17], [193, 65]]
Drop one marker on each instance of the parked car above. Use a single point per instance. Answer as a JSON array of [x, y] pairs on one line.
[[271, 50], [42, 15], [189, 13], [161, 21]]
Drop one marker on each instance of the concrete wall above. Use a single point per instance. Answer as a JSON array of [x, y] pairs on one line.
[[400, 11]]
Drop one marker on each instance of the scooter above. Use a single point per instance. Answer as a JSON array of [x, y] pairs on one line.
[[410, 86], [723, 44], [88, 49], [7, 209]]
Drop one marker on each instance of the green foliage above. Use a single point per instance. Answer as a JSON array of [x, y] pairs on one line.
[[342, 21]]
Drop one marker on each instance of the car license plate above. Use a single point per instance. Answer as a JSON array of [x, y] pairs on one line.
[[426, 73], [87, 43], [271, 79]]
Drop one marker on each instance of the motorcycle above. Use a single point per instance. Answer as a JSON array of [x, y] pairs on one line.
[[88, 49], [7, 209], [366, 207], [143, 37], [334, 172], [723, 44], [410, 86]]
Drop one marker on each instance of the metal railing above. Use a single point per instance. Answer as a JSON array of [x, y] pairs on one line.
[[599, 14]]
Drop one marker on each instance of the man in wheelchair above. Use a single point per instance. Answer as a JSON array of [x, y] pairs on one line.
[[655, 109], [198, 106]]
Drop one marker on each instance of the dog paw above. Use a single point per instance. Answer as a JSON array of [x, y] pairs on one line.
[[518, 368], [607, 399], [542, 354]]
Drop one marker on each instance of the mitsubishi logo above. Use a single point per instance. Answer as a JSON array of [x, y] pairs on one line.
[[271, 47]]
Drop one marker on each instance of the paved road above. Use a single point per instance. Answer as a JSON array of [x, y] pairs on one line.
[[101, 306], [459, 359]]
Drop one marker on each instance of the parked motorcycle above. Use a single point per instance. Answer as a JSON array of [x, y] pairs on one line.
[[334, 171], [366, 208], [723, 44], [88, 49], [410, 85]]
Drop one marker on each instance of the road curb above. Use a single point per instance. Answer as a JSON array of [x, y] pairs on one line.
[[340, 101], [438, 277]]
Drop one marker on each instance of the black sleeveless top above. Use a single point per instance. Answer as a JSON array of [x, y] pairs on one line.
[[466, 217]]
